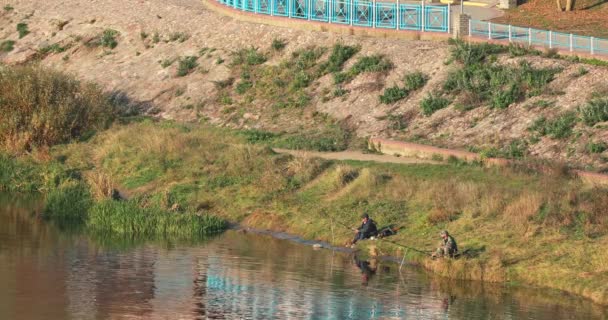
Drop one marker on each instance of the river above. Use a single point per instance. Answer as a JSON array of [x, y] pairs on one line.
[[48, 273]]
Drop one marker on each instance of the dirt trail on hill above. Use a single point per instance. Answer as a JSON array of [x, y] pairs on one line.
[[354, 155], [155, 34]]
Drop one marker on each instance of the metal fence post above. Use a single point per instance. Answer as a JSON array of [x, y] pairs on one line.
[[510, 34], [289, 7], [529, 36], [592, 49], [272, 7], [470, 27], [398, 13], [255, 6], [373, 13], [423, 17], [490, 30], [449, 17], [571, 43], [351, 9], [550, 39], [331, 10]]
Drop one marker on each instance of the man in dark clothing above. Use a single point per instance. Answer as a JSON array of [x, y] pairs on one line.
[[366, 230], [448, 247]]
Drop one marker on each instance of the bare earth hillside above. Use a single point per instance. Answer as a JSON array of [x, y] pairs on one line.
[[148, 65]]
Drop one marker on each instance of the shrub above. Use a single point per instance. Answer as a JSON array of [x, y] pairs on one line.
[[8, 8], [7, 46], [332, 138], [278, 44], [414, 81], [108, 38], [41, 107], [53, 48], [595, 111], [375, 63], [596, 147], [559, 128], [393, 94], [243, 87], [23, 30], [432, 103], [473, 53], [338, 57], [186, 65], [179, 36], [250, 57]]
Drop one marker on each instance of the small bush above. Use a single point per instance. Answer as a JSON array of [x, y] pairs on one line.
[[23, 30], [243, 87], [53, 48], [581, 72], [8, 8], [339, 92], [258, 136], [473, 53], [393, 94], [414, 81], [375, 63], [179, 37], [250, 57], [186, 65], [108, 38], [559, 128], [595, 111], [338, 57], [596, 147], [278, 44], [7, 46], [166, 63], [432, 103]]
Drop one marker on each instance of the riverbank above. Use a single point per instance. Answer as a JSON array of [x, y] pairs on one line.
[[539, 229]]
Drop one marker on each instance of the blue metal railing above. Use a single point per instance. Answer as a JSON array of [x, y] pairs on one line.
[[535, 37], [362, 13]]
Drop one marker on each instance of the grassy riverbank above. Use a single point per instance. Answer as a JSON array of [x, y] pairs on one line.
[[545, 229]]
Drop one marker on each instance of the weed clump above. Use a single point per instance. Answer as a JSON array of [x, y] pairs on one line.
[[338, 57], [250, 57], [186, 65], [108, 38], [432, 103], [415, 80], [375, 63], [393, 94], [179, 37], [278, 44], [68, 203], [7, 46], [53, 48], [596, 147], [595, 111], [22, 29], [558, 128]]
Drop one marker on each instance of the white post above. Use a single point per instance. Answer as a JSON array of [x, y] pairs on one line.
[[352, 9], [423, 17], [571, 43], [272, 7], [592, 49], [289, 7], [309, 8], [550, 39], [529, 36], [510, 34], [490, 30], [398, 14], [470, 27], [373, 13], [330, 3], [449, 17]]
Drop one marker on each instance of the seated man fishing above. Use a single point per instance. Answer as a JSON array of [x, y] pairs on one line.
[[448, 247], [366, 230]]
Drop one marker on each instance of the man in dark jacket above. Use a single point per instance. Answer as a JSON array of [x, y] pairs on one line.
[[366, 230], [448, 247]]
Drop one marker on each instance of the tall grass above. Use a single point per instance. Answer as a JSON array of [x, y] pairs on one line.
[[128, 218], [41, 107], [68, 203]]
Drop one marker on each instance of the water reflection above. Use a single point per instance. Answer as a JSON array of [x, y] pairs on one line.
[[47, 274]]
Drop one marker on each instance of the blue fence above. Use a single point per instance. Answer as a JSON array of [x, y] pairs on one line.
[[535, 37], [372, 14]]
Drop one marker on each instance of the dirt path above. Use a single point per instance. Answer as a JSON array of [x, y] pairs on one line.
[[354, 155]]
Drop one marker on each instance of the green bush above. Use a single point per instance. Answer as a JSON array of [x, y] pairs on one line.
[[128, 218], [243, 86], [249, 56], [41, 107], [108, 38], [68, 203], [596, 147], [414, 81], [393, 94], [179, 37], [23, 29], [258, 136], [473, 53], [431, 103], [278, 44], [338, 57], [7, 46], [595, 111], [186, 65], [8, 8], [375, 63], [559, 128], [332, 138], [53, 48]]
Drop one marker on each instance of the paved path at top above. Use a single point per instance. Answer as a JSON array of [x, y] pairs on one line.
[[354, 155]]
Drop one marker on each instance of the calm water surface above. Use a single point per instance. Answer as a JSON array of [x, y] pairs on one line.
[[46, 273]]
